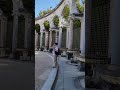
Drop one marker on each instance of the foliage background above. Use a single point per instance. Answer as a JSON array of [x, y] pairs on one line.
[[56, 20], [47, 25]]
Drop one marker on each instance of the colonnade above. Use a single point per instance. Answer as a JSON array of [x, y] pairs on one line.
[[27, 34], [69, 36], [15, 28], [3, 29]]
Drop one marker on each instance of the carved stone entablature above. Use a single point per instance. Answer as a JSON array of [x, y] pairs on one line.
[[72, 17], [28, 15], [15, 12], [18, 8], [17, 4], [63, 23]]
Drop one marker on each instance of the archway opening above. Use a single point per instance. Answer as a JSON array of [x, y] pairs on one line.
[[76, 34], [37, 28]]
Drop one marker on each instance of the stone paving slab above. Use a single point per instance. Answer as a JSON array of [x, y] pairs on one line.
[[66, 76], [49, 83], [43, 67], [16, 75]]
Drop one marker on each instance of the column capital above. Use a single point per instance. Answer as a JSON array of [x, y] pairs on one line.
[[60, 26], [28, 15], [41, 32], [71, 17], [15, 12]]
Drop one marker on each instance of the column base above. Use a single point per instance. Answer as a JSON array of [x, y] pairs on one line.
[[2, 53], [12, 56], [64, 54], [45, 49], [33, 58], [82, 55], [25, 57]]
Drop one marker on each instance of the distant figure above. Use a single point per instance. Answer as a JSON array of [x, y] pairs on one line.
[[56, 53]]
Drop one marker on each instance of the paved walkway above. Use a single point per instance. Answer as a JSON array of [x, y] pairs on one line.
[[69, 78], [16, 75], [43, 67]]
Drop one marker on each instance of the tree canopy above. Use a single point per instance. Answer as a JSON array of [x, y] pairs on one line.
[[66, 12], [44, 12], [46, 25], [37, 28], [80, 6], [56, 20]]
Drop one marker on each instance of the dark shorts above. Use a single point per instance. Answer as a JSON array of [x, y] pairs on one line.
[[56, 53]]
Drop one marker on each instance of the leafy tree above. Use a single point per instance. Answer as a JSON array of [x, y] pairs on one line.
[[80, 6], [56, 20], [66, 12], [37, 28], [44, 12], [83, 1], [46, 25]]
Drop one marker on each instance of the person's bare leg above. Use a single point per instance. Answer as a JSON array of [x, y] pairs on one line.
[[55, 60]]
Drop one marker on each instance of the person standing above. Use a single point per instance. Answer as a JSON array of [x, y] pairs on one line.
[[56, 53]]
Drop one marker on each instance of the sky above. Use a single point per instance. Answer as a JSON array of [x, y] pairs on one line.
[[41, 5]]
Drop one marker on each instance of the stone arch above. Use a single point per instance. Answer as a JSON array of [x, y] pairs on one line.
[[47, 28], [72, 12], [5, 31], [76, 34], [17, 30], [64, 39]]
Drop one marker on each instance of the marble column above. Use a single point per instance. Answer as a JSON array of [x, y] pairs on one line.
[[41, 37], [46, 39], [15, 33], [67, 37], [50, 39], [82, 38], [115, 31], [36, 39], [70, 34], [27, 30], [27, 37], [60, 37], [3, 35], [56, 40]]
